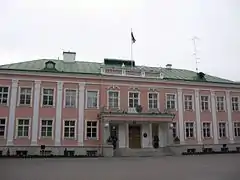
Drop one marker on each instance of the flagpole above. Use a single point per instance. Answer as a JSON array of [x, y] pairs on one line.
[[131, 46]]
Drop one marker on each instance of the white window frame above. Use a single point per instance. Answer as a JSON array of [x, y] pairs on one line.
[[211, 130], [166, 94], [54, 96], [98, 97], [85, 129], [40, 129], [19, 95], [235, 128], [65, 97], [193, 108], [209, 103], [75, 129], [5, 128], [108, 91], [133, 109], [8, 98], [29, 128], [194, 130], [224, 103], [237, 103], [158, 104], [226, 127]]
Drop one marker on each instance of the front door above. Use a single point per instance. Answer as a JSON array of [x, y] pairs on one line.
[[134, 136], [114, 131]]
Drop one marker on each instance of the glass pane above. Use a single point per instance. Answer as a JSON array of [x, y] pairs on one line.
[[49, 133], [72, 123], [49, 123], [67, 123], [94, 123]]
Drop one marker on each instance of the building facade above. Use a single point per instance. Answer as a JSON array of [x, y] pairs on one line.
[[74, 105]]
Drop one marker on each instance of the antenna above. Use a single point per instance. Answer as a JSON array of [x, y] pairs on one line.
[[195, 51]]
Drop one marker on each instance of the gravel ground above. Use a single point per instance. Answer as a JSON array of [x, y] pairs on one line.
[[209, 167]]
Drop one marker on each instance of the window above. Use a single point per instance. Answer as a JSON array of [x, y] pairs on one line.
[[25, 96], [222, 129], [220, 103], [189, 129], [91, 131], [92, 99], [235, 103], [69, 129], [174, 129], [113, 99], [133, 100], [48, 97], [171, 100], [2, 126], [152, 100], [188, 102], [204, 103], [3, 95], [237, 129], [70, 98], [23, 127], [206, 129], [46, 129]]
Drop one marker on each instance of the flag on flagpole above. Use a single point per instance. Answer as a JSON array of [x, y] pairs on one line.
[[133, 38]]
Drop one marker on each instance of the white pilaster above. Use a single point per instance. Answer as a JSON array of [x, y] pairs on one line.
[[150, 136], [127, 135], [81, 102], [180, 116], [122, 135], [198, 117], [36, 100], [58, 120], [229, 115], [214, 118], [12, 109]]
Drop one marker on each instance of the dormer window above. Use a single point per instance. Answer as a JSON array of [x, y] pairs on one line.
[[50, 65]]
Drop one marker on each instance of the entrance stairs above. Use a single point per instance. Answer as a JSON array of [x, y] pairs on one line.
[[144, 152]]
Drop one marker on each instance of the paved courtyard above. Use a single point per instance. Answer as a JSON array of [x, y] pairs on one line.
[[209, 167]]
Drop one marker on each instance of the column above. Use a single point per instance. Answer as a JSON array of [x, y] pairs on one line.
[[58, 120], [122, 135], [229, 115], [160, 135], [36, 100], [198, 118], [12, 109], [127, 135], [214, 118], [180, 116], [150, 136], [81, 102]]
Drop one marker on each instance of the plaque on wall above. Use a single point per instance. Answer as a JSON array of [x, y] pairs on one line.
[[145, 135]]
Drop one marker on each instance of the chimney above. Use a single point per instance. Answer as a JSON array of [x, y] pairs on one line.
[[169, 66], [69, 56]]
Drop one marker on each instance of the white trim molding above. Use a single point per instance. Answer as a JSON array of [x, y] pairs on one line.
[[64, 99], [29, 127], [58, 116], [180, 116], [198, 116], [158, 102], [118, 91], [98, 98], [40, 128], [12, 111], [37, 94], [19, 94], [214, 118], [229, 116], [75, 129], [81, 106], [5, 127], [85, 129]]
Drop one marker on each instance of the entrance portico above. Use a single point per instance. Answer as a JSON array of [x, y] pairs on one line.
[[138, 133]]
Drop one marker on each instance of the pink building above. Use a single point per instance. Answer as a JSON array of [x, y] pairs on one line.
[[75, 106]]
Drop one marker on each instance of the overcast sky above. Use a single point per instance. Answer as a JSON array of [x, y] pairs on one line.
[[98, 29]]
